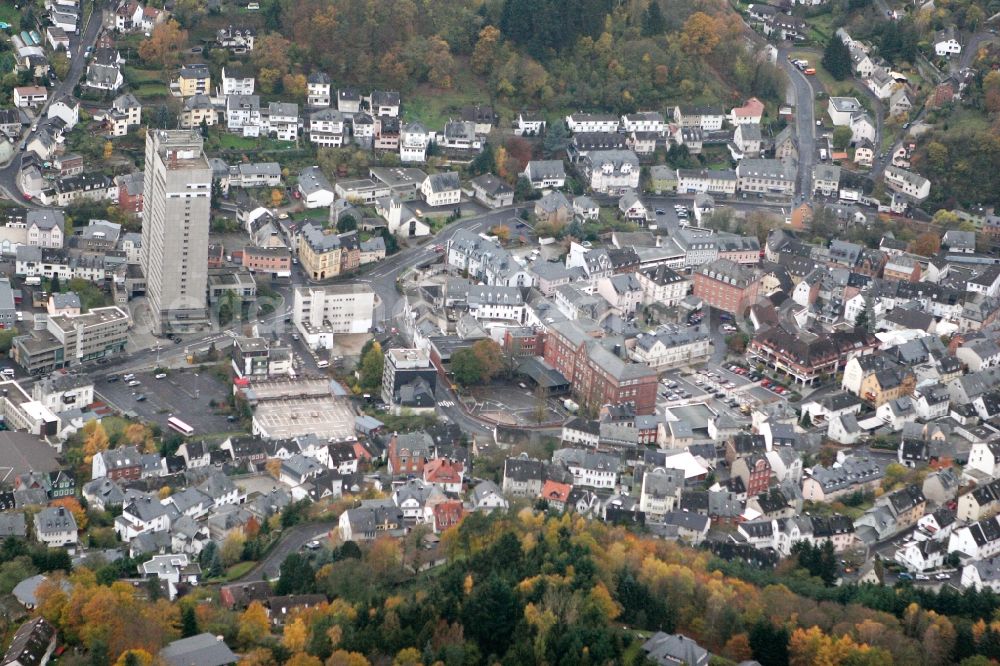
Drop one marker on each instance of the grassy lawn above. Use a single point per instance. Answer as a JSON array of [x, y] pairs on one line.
[[236, 142], [136, 75], [438, 222], [833, 87], [238, 570], [8, 14], [222, 140], [150, 91], [312, 214], [821, 28]]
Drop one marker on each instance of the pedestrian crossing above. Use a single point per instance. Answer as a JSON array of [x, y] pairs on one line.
[[446, 403]]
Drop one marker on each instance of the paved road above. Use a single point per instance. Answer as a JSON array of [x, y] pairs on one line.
[[803, 96], [78, 46], [382, 277], [457, 415], [170, 355], [972, 46], [291, 541]]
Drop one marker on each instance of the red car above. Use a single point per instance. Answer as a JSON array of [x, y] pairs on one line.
[[766, 383], [28, 197]]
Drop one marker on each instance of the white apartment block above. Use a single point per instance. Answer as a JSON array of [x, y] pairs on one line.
[[320, 312], [236, 82], [326, 128], [907, 182], [711, 181], [592, 122]]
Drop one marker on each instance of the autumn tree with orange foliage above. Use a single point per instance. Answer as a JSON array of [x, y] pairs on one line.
[[812, 647], [344, 658], [254, 625], [135, 658], [72, 505], [95, 440], [303, 659], [700, 34], [165, 45], [294, 636], [113, 616], [257, 657], [926, 244]]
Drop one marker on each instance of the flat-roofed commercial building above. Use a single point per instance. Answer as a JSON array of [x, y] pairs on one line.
[[320, 312], [72, 339], [288, 408]]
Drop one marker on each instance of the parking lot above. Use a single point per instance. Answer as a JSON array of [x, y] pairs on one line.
[[671, 214], [723, 388], [516, 406], [182, 393]]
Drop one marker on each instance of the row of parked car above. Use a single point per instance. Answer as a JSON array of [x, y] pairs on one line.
[[755, 376], [672, 392], [905, 575]]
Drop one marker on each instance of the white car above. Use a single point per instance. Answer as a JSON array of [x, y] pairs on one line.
[[942, 576], [134, 382], [161, 375]]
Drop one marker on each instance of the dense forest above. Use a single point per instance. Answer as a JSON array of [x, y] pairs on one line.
[[523, 587], [551, 54]]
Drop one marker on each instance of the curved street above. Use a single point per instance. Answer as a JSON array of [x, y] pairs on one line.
[[291, 541]]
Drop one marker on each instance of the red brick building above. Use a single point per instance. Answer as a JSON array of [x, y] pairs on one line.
[[216, 255], [902, 269], [116, 464], [726, 285], [267, 259], [556, 494], [521, 342], [129, 192], [445, 474], [597, 375], [409, 452], [447, 514], [755, 472]]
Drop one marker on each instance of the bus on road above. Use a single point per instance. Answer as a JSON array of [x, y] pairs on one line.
[[181, 427]]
